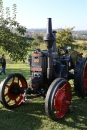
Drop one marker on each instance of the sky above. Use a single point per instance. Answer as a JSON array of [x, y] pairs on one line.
[[64, 13]]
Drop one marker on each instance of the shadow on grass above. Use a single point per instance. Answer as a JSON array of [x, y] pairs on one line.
[[30, 116], [25, 117], [77, 119]]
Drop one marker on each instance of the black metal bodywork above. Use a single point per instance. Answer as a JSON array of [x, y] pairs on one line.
[[47, 65], [61, 66], [39, 66]]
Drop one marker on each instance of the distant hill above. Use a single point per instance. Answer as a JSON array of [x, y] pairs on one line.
[[77, 34], [44, 30]]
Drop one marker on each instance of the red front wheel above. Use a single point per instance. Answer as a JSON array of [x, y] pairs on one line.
[[58, 99], [12, 90]]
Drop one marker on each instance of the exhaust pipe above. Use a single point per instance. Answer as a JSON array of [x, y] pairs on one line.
[[49, 39]]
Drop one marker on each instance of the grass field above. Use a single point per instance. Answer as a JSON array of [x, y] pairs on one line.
[[31, 116]]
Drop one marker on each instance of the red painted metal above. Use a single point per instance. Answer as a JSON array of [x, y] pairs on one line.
[[62, 100], [36, 60], [37, 54], [85, 78], [36, 69], [10, 98]]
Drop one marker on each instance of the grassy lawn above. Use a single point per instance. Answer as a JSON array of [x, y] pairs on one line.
[[31, 116]]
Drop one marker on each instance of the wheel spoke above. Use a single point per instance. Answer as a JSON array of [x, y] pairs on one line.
[[7, 85], [19, 101], [18, 80], [6, 94], [8, 101], [13, 79]]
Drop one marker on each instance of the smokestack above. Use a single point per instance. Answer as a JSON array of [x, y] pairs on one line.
[[49, 39]]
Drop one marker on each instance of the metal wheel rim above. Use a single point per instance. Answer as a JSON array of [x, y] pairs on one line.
[[62, 100], [11, 99]]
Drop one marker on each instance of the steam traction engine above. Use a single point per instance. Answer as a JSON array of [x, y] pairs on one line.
[[50, 75]]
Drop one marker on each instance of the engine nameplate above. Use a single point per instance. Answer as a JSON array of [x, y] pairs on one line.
[[36, 69]]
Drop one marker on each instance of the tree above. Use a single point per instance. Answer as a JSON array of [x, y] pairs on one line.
[[64, 37], [39, 38], [12, 34]]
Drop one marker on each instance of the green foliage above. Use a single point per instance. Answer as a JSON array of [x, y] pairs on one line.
[[64, 37], [38, 40], [12, 38]]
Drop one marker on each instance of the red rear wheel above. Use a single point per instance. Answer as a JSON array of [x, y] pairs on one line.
[[80, 78], [85, 78], [58, 99], [12, 90]]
